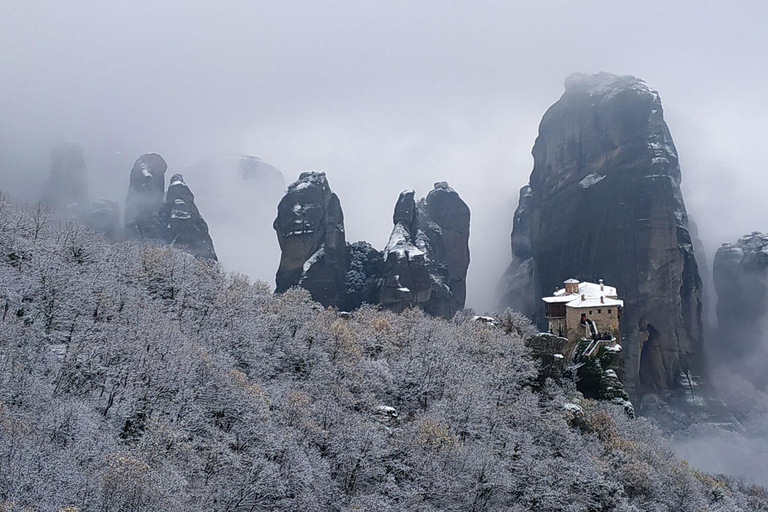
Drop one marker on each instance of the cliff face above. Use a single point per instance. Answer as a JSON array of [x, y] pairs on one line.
[[424, 264], [310, 230], [444, 218], [407, 281], [740, 274], [427, 255], [364, 274], [604, 201], [184, 226], [145, 200]]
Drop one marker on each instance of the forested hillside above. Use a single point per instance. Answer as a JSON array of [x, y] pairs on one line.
[[139, 378]]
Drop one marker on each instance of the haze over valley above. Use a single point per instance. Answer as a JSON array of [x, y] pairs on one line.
[[497, 231]]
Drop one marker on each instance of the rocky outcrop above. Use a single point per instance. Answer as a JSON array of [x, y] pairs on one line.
[[146, 198], [365, 275], [740, 274], [184, 227], [553, 354], [424, 264], [407, 282], [310, 230], [445, 218], [172, 219], [427, 255], [67, 186], [604, 201]]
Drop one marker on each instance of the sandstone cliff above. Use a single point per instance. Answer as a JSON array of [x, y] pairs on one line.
[[427, 255], [740, 274], [604, 201], [184, 227], [407, 281], [145, 200], [310, 230], [365, 275]]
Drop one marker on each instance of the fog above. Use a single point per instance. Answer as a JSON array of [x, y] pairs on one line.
[[383, 96]]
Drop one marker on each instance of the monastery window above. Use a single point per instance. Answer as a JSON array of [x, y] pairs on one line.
[[590, 311], [599, 311], [609, 311]]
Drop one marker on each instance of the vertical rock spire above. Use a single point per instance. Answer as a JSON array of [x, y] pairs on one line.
[[184, 227], [604, 200], [145, 198], [310, 230]]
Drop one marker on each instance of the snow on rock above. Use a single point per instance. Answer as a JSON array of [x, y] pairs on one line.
[[177, 180], [310, 231], [184, 225], [145, 198], [428, 253], [311, 261], [309, 179], [591, 179], [607, 85], [574, 408], [400, 244]]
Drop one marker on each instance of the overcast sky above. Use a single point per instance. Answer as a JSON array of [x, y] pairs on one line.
[[384, 96]]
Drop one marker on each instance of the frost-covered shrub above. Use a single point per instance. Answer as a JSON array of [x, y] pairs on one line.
[[137, 378]]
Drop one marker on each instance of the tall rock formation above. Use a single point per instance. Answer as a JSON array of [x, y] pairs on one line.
[[445, 219], [604, 201], [365, 275], [427, 255], [310, 230], [407, 282], [740, 274], [146, 198], [184, 227], [67, 186]]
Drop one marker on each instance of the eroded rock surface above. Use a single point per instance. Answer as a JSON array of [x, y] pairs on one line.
[[445, 218], [427, 255], [740, 274], [310, 230], [407, 282], [145, 200], [604, 201], [185, 228], [365, 275]]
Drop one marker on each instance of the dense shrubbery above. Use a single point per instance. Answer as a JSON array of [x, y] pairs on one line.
[[138, 378]]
